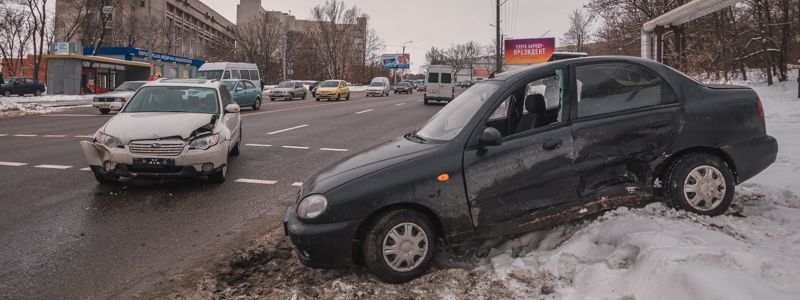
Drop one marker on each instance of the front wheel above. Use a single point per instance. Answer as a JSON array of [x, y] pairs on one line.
[[219, 176], [257, 104], [7, 93], [348, 97], [700, 183], [399, 246]]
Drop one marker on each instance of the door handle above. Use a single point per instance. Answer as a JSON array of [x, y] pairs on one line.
[[552, 144]]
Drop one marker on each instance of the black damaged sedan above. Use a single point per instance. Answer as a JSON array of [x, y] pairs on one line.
[[531, 149]]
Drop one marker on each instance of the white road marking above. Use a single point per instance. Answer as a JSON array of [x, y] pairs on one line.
[[287, 129], [86, 169], [258, 181], [420, 100], [297, 184], [295, 147], [54, 135], [84, 136], [58, 167], [333, 149], [364, 111], [3, 134], [11, 164], [258, 145], [25, 135], [401, 103]]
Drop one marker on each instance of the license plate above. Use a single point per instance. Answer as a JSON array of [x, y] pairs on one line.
[[104, 106], [154, 162]]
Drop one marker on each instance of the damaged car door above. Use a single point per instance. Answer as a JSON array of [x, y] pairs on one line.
[[520, 158], [232, 119], [626, 115]]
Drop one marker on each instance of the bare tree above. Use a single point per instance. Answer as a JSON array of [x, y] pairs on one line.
[[472, 52], [335, 26], [16, 32], [435, 56], [373, 50], [258, 41], [578, 33], [102, 15], [39, 21], [128, 29], [73, 18]]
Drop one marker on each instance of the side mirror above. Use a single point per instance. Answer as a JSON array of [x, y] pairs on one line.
[[232, 108], [491, 137]]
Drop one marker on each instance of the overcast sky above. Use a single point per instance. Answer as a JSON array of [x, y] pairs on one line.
[[438, 23]]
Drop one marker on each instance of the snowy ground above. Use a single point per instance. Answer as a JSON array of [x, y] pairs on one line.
[[19, 106], [651, 252]]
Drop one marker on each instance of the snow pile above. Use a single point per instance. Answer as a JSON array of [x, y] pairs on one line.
[[752, 252], [21, 106], [46, 98]]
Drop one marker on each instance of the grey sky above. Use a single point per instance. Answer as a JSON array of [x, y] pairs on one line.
[[438, 23]]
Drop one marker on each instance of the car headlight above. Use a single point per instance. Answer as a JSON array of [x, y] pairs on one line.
[[312, 206], [204, 142], [107, 140]]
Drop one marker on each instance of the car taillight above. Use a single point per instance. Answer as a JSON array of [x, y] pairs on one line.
[[760, 109]]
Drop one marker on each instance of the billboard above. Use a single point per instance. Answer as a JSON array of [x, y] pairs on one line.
[[529, 51], [396, 61]]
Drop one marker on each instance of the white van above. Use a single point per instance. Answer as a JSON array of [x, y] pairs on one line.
[[439, 83], [230, 70], [379, 86]]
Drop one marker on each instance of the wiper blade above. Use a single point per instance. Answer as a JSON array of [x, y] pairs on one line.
[[414, 135]]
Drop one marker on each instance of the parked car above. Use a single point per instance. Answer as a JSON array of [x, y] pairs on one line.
[[528, 150], [313, 88], [115, 99], [169, 128], [288, 90], [379, 86], [21, 86], [404, 88], [333, 90], [439, 84], [230, 70], [244, 93]]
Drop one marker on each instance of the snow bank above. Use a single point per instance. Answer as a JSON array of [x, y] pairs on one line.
[[20, 106], [655, 252], [46, 98]]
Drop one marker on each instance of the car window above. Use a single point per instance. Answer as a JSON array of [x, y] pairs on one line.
[[341, 84], [226, 96], [329, 84], [174, 99], [612, 87], [502, 111], [235, 74], [433, 77], [226, 75], [298, 85], [240, 86], [245, 74], [447, 77], [211, 74], [249, 85], [254, 75], [451, 119]]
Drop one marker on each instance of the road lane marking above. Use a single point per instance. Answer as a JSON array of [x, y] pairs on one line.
[[11, 164], [257, 181], [287, 129], [55, 135], [333, 149], [295, 147], [86, 169], [25, 135], [3, 134], [57, 167], [258, 145], [401, 103], [364, 111], [84, 136], [297, 184]]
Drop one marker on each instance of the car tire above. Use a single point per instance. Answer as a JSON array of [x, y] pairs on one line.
[[105, 111], [305, 96], [425, 100], [291, 97], [237, 148], [219, 176], [103, 178], [700, 183], [377, 242], [257, 104], [338, 97], [271, 99], [317, 99], [348, 96], [7, 93], [37, 93]]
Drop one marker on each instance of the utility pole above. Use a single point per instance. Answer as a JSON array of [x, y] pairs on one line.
[[499, 56], [283, 58], [150, 35]]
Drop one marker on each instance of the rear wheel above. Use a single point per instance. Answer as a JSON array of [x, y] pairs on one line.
[[7, 93], [399, 245], [700, 183], [257, 104], [348, 96], [338, 97], [105, 111], [38, 93], [219, 176]]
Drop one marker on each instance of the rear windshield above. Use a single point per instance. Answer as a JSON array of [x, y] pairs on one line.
[[329, 84], [404, 84], [433, 77], [174, 99], [376, 83]]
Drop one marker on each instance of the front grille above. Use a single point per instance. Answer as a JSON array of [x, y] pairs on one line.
[[157, 148]]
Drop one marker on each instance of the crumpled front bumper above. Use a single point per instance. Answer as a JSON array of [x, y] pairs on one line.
[[119, 161]]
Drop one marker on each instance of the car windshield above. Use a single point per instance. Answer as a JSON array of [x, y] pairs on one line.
[[129, 86], [449, 121], [286, 84], [174, 99], [329, 84], [376, 83], [403, 84], [209, 74]]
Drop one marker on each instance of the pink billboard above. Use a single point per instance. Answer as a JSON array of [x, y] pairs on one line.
[[529, 51]]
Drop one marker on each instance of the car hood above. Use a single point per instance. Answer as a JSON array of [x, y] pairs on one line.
[[365, 162], [126, 94], [154, 125]]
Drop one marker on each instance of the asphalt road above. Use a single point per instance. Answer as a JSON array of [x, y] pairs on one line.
[[64, 236]]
